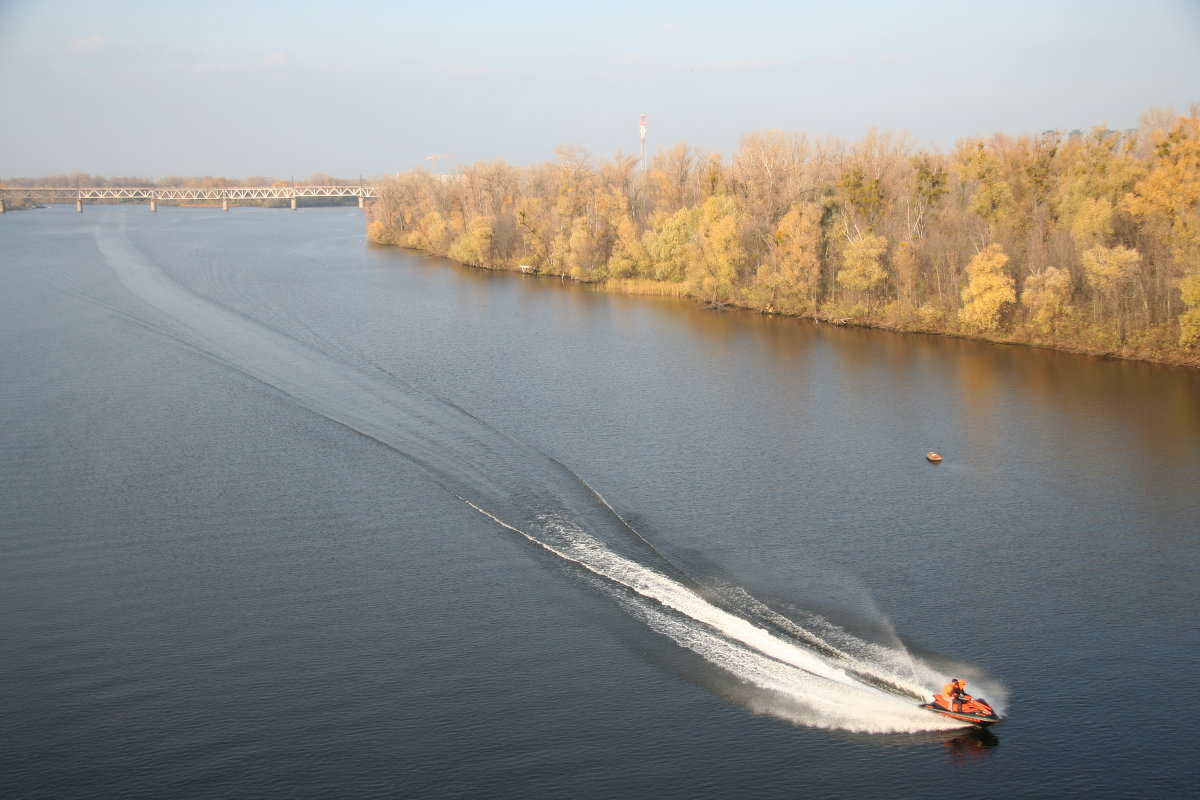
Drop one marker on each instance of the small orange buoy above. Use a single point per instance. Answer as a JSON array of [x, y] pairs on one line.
[[934, 457]]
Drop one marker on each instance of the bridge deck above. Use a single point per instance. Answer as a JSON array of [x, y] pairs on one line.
[[186, 192]]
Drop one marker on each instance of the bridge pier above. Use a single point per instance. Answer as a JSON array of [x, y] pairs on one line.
[[2, 208], [361, 204], [293, 202], [79, 203], [154, 204], [224, 203]]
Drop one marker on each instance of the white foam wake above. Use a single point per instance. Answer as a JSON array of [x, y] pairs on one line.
[[816, 689]]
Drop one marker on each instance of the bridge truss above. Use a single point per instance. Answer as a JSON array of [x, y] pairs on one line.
[[153, 194]]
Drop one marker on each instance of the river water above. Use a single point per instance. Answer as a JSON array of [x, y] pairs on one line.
[[288, 515]]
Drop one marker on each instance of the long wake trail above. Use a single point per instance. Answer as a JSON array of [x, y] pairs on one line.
[[806, 670]]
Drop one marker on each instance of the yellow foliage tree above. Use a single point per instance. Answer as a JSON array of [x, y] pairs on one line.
[[430, 233], [1107, 268], [1093, 223], [1168, 197], [904, 263], [988, 291], [717, 254], [379, 232], [583, 258], [628, 258], [671, 175], [992, 199], [861, 271], [535, 238], [1088, 179], [475, 246], [789, 278], [1189, 320], [1167, 202], [1047, 295], [671, 246]]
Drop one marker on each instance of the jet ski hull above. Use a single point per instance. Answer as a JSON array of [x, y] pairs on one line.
[[982, 720]]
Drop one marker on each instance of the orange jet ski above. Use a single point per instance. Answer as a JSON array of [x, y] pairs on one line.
[[962, 706]]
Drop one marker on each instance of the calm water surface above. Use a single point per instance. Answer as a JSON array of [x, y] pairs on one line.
[[285, 515]]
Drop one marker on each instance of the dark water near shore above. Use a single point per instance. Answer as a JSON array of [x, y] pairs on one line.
[[244, 456]]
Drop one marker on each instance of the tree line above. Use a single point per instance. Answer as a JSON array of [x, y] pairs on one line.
[[1087, 241]]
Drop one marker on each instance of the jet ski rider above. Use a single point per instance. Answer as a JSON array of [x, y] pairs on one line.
[[955, 693]]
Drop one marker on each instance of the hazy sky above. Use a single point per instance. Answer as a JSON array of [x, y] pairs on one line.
[[126, 87]]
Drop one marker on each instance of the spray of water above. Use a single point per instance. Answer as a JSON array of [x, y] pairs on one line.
[[796, 666]]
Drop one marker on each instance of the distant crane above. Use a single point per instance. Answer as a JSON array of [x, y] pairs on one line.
[[433, 160]]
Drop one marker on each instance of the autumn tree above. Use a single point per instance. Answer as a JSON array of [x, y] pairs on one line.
[[862, 272], [671, 175], [1109, 270], [670, 246], [989, 291], [475, 245], [991, 198], [717, 256], [1047, 296], [1167, 203], [1189, 321], [534, 226], [628, 257], [430, 233], [789, 279]]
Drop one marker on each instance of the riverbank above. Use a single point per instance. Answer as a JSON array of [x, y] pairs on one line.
[[1087, 243], [17, 204], [1164, 353]]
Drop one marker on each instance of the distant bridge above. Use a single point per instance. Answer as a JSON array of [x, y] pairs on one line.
[[211, 194]]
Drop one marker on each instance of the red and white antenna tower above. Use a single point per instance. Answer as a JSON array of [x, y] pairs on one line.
[[642, 130]]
